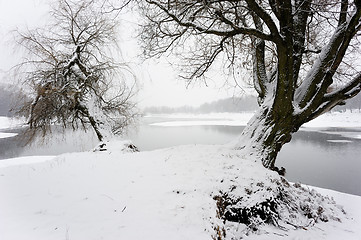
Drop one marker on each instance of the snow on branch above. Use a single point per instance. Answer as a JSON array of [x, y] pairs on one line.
[[253, 5], [235, 29], [348, 91], [320, 77]]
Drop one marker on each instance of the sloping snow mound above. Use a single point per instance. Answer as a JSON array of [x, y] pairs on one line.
[[20, 161], [7, 135], [161, 195]]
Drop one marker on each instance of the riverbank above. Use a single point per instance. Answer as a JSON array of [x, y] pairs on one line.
[[334, 150], [9, 123], [347, 119], [161, 194], [6, 124]]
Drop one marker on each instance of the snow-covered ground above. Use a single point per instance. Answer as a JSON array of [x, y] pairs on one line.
[[6, 122], [162, 194], [21, 161], [347, 119], [226, 119], [7, 135], [328, 120]]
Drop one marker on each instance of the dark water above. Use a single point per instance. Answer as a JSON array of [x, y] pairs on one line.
[[311, 157], [59, 143], [11, 147]]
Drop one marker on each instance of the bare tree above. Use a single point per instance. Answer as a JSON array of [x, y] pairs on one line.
[[302, 52], [71, 70]]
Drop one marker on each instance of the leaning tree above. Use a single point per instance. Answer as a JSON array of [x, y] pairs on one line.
[[71, 73], [304, 54]]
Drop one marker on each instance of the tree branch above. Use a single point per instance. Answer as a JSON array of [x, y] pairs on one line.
[[347, 91], [322, 72], [260, 78], [236, 29], [253, 5], [343, 12]]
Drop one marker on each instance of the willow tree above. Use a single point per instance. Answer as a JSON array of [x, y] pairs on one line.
[[303, 55], [72, 74]]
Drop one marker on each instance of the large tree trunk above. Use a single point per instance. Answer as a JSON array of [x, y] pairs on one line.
[[266, 133]]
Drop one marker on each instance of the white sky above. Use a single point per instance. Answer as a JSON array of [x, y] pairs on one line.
[[17, 14], [159, 85]]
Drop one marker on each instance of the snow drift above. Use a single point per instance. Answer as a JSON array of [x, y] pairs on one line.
[[171, 193]]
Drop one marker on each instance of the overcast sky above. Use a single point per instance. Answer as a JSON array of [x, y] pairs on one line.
[[158, 82]]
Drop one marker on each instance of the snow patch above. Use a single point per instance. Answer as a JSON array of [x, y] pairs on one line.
[[6, 122], [7, 135], [336, 119], [346, 119], [199, 123], [339, 141]]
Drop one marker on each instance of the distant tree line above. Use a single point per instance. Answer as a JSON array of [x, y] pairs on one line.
[[234, 104]]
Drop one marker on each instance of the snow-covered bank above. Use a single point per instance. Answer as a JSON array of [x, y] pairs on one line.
[[346, 119], [6, 122], [20, 161], [326, 121], [211, 119], [7, 135], [9, 123], [163, 194], [329, 120], [200, 123]]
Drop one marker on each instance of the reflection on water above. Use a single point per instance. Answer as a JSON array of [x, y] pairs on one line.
[[310, 158], [155, 137]]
